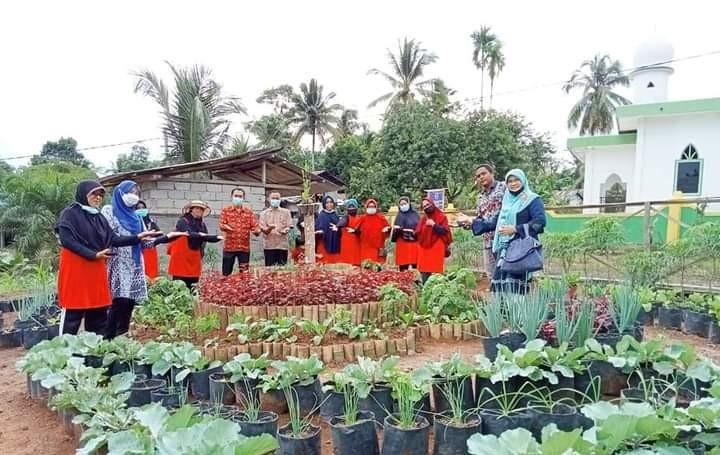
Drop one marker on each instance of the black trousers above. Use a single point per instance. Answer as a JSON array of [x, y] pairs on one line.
[[119, 315], [228, 261], [95, 320], [407, 267], [275, 257], [424, 276], [190, 282]]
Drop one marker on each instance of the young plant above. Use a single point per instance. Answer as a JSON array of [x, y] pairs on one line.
[[317, 329], [123, 350], [408, 390], [566, 323], [394, 301], [585, 329], [491, 315], [532, 310], [626, 306], [447, 298]]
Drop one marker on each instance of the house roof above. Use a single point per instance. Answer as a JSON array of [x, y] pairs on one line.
[[628, 115], [264, 167], [607, 140]]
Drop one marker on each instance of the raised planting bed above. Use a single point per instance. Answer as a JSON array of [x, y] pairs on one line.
[[307, 286]]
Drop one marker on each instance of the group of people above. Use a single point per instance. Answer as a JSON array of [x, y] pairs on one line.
[[107, 253], [422, 241]]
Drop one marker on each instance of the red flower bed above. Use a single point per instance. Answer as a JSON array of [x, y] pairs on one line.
[[302, 287]]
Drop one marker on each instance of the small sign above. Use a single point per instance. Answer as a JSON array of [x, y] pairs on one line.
[[438, 197]]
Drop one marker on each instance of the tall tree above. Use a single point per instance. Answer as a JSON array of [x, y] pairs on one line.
[[196, 119], [439, 97], [496, 63], [280, 97], [483, 42], [64, 150], [137, 159], [595, 111], [348, 123], [313, 113], [270, 130], [408, 67]]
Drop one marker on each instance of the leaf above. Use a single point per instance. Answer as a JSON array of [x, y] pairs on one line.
[[153, 417], [561, 442], [182, 418], [600, 411], [256, 445], [127, 442]]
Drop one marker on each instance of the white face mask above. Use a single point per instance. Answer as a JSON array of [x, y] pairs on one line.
[[371, 210], [90, 209], [130, 199]]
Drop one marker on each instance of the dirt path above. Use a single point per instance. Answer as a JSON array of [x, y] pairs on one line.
[[28, 427]]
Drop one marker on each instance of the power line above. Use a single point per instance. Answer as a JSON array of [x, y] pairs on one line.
[[94, 147], [626, 72]]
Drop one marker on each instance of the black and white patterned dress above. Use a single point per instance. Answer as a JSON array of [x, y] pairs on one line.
[[127, 279]]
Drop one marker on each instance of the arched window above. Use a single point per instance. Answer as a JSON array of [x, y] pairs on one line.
[[613, 191], [688, 171]]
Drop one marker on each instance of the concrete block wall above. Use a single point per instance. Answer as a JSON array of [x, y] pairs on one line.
[[166, 199]]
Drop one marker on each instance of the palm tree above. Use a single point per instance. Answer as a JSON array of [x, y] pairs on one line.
[[496, 63], [196, 124], [270, 130], [348, 123], [408, 67], [313, 114], [595, 111], [483, 42]]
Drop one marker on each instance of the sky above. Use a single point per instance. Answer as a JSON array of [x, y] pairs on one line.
[[66, 65]]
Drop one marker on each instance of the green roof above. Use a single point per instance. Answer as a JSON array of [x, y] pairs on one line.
[[669, 108], [601, 141]]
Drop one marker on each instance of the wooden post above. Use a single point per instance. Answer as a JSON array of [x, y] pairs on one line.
[[647, 224], [308, 211]]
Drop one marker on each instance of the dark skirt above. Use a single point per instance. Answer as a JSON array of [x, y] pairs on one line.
[[509, 282]]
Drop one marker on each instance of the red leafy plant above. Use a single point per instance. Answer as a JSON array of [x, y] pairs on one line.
[[305, 286]]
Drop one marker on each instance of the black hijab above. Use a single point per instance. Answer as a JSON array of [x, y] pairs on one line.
[[89, 229], [409, 219], [331, 239], [192, 225]]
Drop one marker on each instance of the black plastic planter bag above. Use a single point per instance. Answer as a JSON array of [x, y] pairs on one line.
[[359, 438], [697, 323], [33, 336], [12, 338], [402, 441], [451, 438], [496, 424], [442, 386], [307, 445], [714, 335], [200, 382], [141, 390], [333, 405], [562, 415], [245, 389], [221, 389], [670, 318], [267, 423], [513, 341]]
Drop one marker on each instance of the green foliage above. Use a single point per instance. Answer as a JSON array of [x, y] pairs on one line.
[[595, 111], [347, 152], [492, 315], [62, 151], [292, 371], [393, 301], [645, 268], [271, 130], [136, 160], [196, 113], [447, 297], [33, 197], [601, 235], [312, 113], [564, 247], [168, 301], [467, 249], [244, 366]]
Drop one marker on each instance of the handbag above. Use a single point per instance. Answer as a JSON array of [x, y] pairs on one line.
[[523, 255]]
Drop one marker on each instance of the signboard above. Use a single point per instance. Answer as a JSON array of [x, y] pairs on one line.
[[438, 197]]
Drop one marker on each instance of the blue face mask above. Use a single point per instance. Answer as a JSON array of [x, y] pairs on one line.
[[274, 203], [404, 207], [142, 213], [237, 201], [90, 209]]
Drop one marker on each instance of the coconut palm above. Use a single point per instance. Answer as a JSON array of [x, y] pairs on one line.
[[595, 111], [408, 67], [196, 120], [348, 123], [483, 43], [313, 113], [496, 63]]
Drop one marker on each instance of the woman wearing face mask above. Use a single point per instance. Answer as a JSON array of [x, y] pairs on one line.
[[187, 252], [374, 230], [126, 270], [434, 239], [86, 240], [150, 257], [327, 233], [521, 207], [349, 239], [403, 234]]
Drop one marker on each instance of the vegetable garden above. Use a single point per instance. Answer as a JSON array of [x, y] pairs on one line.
[[240, 369]]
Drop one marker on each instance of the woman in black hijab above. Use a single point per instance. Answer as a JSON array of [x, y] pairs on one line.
[[85, 238], [403, 234], [187, 252]]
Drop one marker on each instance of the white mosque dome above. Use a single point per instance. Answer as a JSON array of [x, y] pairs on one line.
[[653, 51]]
